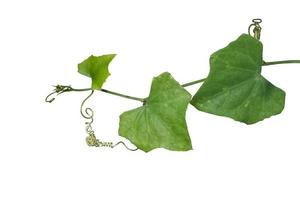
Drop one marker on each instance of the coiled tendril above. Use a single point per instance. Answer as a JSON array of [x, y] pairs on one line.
[[91, 139], [256, 28]]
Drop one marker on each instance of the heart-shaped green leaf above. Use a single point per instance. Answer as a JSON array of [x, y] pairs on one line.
[[235, 87], [96, 67], [160, 122]]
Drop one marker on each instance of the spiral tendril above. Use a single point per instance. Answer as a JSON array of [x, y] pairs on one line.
[[58, 89], [256, 28], [88, 113], [91, 139]]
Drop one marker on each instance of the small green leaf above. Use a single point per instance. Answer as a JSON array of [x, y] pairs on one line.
[[235, 87], [96, 67], [160, 122]]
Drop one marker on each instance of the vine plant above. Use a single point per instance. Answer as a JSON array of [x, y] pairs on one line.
[[233, 88]]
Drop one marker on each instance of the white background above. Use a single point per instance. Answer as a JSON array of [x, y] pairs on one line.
[[43, 154]]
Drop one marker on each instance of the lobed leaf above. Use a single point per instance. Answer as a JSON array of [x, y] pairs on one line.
[[160, 122], [96, 67], [235, 87]]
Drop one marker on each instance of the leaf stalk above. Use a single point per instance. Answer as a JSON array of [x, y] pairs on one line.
[[281, 62]]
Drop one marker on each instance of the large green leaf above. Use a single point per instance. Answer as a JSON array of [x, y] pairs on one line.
[[235, 87], [160, 122], [96, 67]]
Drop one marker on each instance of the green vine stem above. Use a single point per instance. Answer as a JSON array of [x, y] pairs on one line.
[[111, 92], [123, 95], [59, 89], [193, 82], [281, 62]]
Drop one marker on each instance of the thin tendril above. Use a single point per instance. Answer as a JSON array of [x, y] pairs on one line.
[[120, 142], [91, 139], [88, 112], [256, 28], [58, 89]]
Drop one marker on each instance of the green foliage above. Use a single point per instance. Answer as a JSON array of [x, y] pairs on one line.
[[160, 122], [235, 87], [96, 67]]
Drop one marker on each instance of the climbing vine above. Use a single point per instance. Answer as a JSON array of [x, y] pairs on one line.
[[233, 88]]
